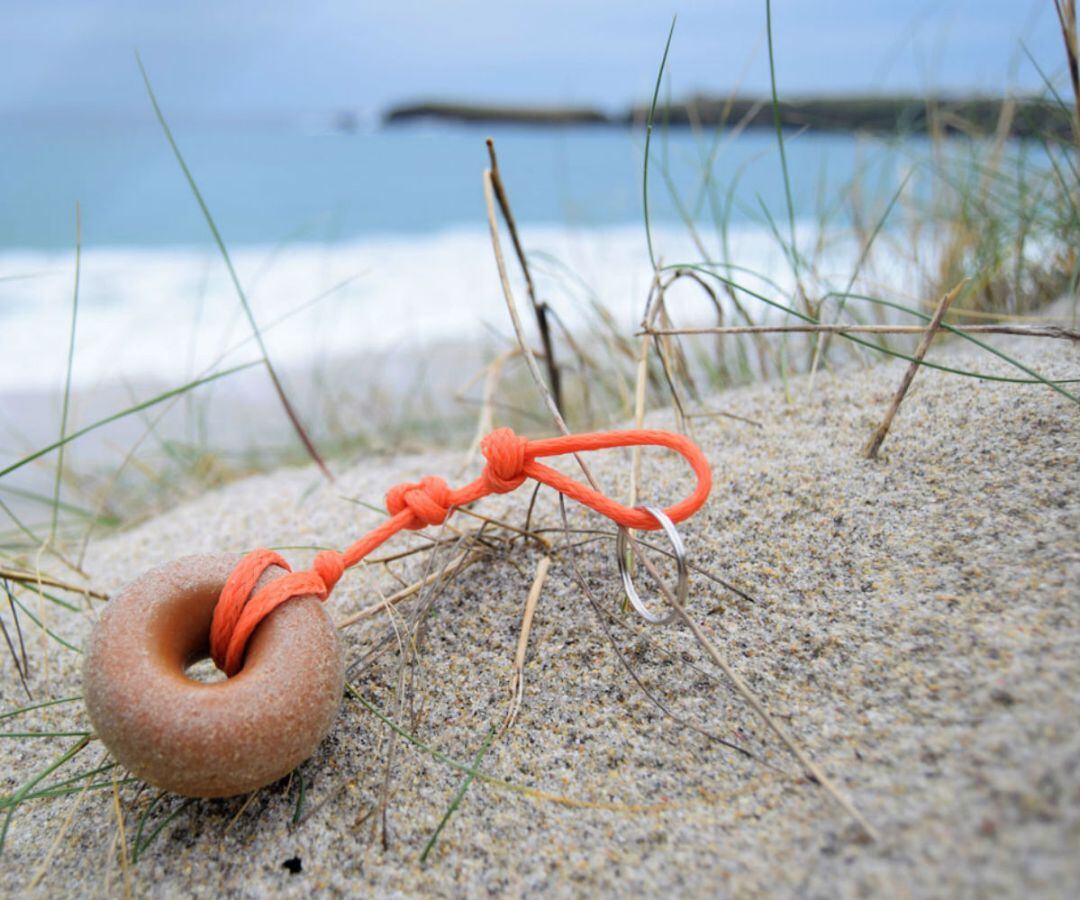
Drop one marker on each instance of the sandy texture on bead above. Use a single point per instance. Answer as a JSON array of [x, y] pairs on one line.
[[219, 739]]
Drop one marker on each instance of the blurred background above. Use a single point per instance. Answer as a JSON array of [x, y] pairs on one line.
[[338, 148]]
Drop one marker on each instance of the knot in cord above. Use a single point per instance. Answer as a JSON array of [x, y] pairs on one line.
[[505, 455], [329, 565], [510, 460], [428, 500]]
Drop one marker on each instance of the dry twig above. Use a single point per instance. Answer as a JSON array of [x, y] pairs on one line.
[[540, 309], [870, 451], [1048, 331], [39, 579], [454, 567]]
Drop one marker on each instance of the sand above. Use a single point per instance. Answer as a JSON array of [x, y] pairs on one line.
[[915, 621]]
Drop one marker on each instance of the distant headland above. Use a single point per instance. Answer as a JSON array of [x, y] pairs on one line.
[[1022, 117]]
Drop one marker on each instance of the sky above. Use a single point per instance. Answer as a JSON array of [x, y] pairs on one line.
[[216, 59]]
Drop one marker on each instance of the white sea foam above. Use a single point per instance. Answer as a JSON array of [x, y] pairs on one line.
[[167, 314]]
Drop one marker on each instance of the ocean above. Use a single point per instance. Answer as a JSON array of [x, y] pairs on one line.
[[372, 239]]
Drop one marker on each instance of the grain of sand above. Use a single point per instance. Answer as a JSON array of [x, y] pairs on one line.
[[915, 622]]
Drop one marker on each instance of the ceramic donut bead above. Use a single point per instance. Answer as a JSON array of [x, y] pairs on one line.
[[209, 740]]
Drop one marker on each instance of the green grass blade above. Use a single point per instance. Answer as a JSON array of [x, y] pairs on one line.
[[300, 791], [31, 707], [65, 506], [648, 141], [431, 751], [67, 379], [989, 348], [780, 137], [279, 388], [19, 524], [142, 823], [27, 786], [42, 734], [139, 849], [52, 792], [459, 796], [1055, 384], [131, 410], [59, 788], [821, 342], [48, 631]]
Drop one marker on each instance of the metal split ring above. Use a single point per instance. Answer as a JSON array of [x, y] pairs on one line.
[[679, 551]]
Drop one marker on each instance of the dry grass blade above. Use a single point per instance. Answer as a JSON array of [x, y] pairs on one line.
[[457, 565], [640, 385], [43, 869], [870, 451], [544, 543], [517, 684], [539, 309], [121, 836], [809, 766], [522, 790], [40, 579], [438, 584], [1066, 12], [408, 646], [22, 666], [621, 656], [519, 330], [240, 811], [664, 352], [491, 374]]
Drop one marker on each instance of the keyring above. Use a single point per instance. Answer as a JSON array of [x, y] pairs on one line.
[[679, 550]]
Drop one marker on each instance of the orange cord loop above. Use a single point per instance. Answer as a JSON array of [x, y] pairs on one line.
[[241, 583], [511, 460]]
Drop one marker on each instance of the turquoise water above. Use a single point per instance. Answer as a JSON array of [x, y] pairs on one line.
[[267, 185], [375, 239]]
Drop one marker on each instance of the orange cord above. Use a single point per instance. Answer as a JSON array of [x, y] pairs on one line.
[[510, 460]]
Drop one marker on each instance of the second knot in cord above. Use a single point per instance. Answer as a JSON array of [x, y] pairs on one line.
[[428, 501], [505, 455]]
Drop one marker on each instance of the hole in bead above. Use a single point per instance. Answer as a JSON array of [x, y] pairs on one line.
[[204, 671]]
